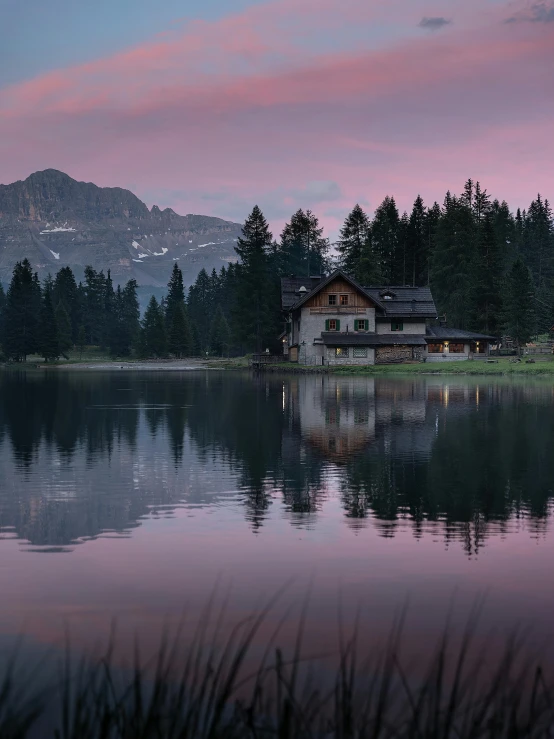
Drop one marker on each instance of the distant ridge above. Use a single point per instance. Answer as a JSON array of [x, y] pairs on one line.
[[55, 220]]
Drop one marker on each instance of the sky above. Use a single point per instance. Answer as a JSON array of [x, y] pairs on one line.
[[213, 106]]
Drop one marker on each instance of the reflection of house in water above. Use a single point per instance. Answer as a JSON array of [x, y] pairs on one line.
[[336, 415], [342, 416]]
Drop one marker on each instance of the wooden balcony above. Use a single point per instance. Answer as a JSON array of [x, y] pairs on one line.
[[343, 310]]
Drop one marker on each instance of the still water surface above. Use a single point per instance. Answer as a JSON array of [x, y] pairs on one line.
[[128, 496]]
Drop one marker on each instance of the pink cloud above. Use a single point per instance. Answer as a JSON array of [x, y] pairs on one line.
[[248, 108]]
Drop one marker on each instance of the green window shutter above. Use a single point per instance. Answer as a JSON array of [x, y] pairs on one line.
[[338, 325], [366, 325], [327, 325]]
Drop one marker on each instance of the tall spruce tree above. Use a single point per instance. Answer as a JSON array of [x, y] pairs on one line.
[[130, 316], [353, 238], [63, 329], [519, 303], [220, 334], [453, 262], [93, 293], [66, 291], [179, 332], [416, 257], [486, 284], [252, 311], [154, 339], [23, 305], [303, 249], [48, 331], [175, 294], [385, 239], [200, 308]]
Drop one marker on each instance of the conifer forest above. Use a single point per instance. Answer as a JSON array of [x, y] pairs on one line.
[[490, 270]]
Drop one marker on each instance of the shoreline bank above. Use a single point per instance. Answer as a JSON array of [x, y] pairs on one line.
[[502, 367]]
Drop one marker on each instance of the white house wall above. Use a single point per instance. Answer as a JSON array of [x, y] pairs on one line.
[[411, 329]]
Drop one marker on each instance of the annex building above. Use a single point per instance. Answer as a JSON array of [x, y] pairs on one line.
[[334, 320]]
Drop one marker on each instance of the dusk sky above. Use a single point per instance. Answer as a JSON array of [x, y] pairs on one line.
[[211, 106]]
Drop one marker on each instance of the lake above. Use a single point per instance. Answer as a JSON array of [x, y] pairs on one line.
[[134, 497]]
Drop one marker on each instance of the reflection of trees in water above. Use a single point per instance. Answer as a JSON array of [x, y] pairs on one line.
[[489, 465], [462, 462]]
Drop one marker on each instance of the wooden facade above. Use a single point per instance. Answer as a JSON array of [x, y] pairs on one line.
[[357, 303]]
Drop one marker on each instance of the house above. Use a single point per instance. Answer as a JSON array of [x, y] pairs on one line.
[[335, 321]]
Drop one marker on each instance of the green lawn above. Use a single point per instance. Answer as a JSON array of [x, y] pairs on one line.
[[503, 366]]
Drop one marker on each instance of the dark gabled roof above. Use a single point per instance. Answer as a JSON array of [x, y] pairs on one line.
[[443, 333], [320, 285], [332, 338], [290, 287], [406, 301]]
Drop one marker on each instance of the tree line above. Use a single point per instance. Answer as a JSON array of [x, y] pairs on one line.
[[490, 270]]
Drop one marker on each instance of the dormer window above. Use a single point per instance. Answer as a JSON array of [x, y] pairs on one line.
[[387, 295], [332, 299]]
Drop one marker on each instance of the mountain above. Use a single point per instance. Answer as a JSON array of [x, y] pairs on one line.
[[55, 221]]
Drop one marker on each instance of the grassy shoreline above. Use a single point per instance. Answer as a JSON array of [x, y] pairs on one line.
[[503, 366]]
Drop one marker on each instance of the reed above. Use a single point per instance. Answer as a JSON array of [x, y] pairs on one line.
[[208, 691]]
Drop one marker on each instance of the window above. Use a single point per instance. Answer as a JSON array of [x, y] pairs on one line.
[[361, 415], [435, 348], [361, 324], [341, 351], [456, 348], [360, 352], [344, 299], [396, 326], [332, 299], [332, 324]]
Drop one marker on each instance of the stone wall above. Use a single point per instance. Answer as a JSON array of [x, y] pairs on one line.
[[333, 361]]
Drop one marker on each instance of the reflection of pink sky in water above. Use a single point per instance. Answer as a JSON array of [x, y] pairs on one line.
[[169, 566]]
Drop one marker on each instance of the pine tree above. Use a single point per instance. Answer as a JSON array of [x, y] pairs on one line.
[[66, 292], [252, 309], [48, 330], [519, 314], [220, 334], [175, 295], [385, 240], [303, 250], [153, 330], [63, 328], [453, 262], [94, 291], [179, 333], [130, 316], [23, 304], [200, 309], [109, 318], [486, 285], [353, 239], [416, 256]]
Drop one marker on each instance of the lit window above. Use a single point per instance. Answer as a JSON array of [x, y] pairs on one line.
[[332, 299], [332, 324], [396, 326], [344, 299], [341, 351], [456, 348], [435, 348], [360, 352]]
